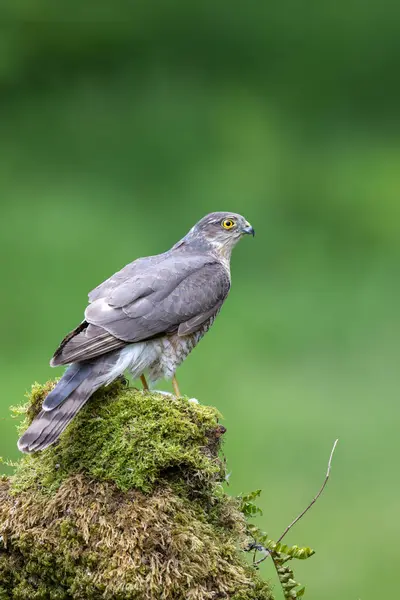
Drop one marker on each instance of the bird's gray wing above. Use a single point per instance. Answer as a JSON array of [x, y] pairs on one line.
[[127, 272], [176, 294], [162, 298], [83, 343]]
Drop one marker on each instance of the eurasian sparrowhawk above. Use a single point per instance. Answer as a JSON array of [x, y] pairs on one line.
[[145, 319]]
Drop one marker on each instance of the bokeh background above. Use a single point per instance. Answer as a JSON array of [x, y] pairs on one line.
[[121, 124]]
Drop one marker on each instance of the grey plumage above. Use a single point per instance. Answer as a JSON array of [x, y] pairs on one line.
[[145, 318], [49, 424], [72, 377]]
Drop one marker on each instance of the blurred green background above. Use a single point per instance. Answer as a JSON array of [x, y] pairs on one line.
[[120, 126]]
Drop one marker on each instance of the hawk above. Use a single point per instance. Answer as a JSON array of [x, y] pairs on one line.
[[145, 319]]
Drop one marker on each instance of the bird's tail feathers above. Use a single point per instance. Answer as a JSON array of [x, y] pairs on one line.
[[65, 401], [72, 377]]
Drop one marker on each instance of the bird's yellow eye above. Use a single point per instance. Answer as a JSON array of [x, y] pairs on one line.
[[228, 223]]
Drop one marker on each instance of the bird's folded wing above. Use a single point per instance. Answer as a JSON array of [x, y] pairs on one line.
[[85, 342], [127, 272], [176, 294], [162, 299]]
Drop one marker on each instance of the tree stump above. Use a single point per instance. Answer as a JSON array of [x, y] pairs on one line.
[[129, 505]]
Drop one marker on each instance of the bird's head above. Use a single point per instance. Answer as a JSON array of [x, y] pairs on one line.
[[221, 230]]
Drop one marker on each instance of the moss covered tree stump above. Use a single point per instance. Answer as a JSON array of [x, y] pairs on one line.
[[129, 505]]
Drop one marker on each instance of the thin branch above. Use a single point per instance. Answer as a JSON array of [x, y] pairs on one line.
[[260, 560], [307, 508], [315, 497], [258, 548]]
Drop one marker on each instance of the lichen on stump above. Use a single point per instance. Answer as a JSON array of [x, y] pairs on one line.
[[129, 505]]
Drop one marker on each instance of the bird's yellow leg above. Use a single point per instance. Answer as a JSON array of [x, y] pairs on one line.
[[144, 382], [176, 387]]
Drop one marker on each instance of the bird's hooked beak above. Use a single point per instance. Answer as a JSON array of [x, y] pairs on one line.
[[248, 229]]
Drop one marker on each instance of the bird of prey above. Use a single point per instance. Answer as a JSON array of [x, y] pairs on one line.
[[145, 319]]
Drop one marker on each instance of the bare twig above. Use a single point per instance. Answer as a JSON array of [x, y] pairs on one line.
[[268, 552], [315, 497]]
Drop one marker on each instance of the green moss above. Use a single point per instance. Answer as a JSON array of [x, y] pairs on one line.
[[129, 437], [129, 505]]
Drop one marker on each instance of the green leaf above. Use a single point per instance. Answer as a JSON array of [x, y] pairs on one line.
[[301, 591], [247, 505]]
